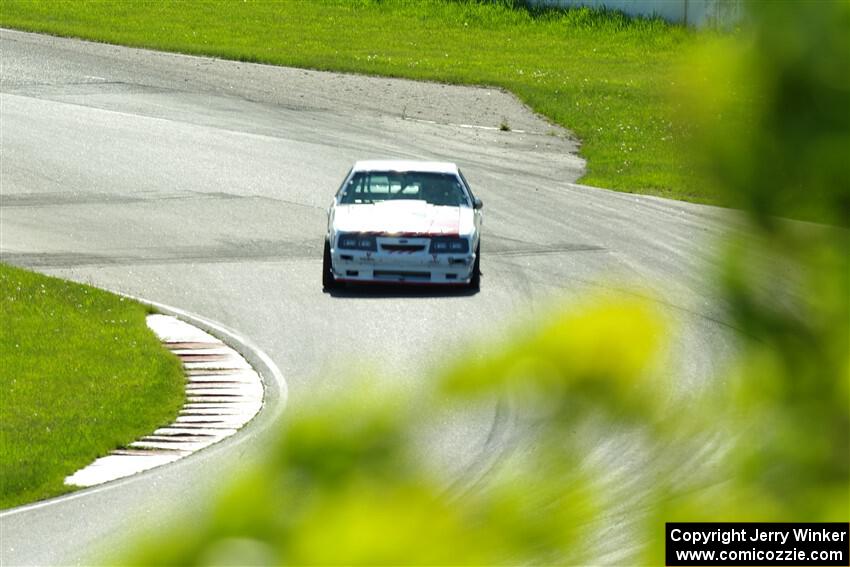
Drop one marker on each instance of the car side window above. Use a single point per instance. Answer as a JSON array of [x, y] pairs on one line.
[[466, 184], [340, 194], [355, 187]]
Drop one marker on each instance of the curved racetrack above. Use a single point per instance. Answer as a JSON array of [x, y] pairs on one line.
[[203, 184]]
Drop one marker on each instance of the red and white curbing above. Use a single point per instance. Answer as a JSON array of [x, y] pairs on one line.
[[223, 393]]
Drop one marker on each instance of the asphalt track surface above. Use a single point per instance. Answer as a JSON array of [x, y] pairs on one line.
[[203, 184]]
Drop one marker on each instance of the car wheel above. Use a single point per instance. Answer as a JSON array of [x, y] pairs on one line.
[[328, 281], [475, 280]]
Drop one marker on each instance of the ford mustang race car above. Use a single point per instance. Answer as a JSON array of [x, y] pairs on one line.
[[403, 222]]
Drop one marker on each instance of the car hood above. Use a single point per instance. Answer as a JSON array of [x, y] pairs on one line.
[[404, 217]]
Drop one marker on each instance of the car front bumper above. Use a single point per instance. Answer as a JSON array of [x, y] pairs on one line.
[[383, 267]]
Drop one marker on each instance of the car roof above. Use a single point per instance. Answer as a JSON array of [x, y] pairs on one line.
[[406, 165]]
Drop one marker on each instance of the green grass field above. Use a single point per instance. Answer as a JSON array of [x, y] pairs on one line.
[[605, 77], [81, 374]]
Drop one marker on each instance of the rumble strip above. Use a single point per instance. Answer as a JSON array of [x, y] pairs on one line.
[[223, 393]]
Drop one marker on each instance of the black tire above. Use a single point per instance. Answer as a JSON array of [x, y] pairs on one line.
[[328, 281], [475, 280]]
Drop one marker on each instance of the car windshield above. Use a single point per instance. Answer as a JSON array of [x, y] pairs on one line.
[[366, 187]]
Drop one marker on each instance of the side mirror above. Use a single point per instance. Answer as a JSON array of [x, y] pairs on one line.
[[477, 203]]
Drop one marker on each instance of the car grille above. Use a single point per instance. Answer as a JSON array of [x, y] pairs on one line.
[[409, 248], [408, 275]]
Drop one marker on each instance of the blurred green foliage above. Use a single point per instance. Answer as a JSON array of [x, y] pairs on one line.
[[772, 126], [342, 485], [769, 110], [789, 283]]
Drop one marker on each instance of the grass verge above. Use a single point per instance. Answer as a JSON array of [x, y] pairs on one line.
[[604, 76], [81, 374]]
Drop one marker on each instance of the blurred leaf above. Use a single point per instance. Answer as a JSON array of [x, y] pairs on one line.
[[767, 440]]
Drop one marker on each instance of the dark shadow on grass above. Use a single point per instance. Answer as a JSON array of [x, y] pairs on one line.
[[585, 17]]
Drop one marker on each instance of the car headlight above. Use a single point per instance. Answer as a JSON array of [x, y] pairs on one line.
[[449, 245], [357, 242]]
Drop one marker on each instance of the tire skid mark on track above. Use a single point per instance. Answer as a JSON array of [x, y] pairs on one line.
[[491, 453]]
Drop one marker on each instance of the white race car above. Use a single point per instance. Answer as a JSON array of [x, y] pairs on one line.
[[403, 222]]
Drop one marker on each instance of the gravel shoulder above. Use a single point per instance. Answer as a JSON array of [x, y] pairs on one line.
[[296, 89]]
